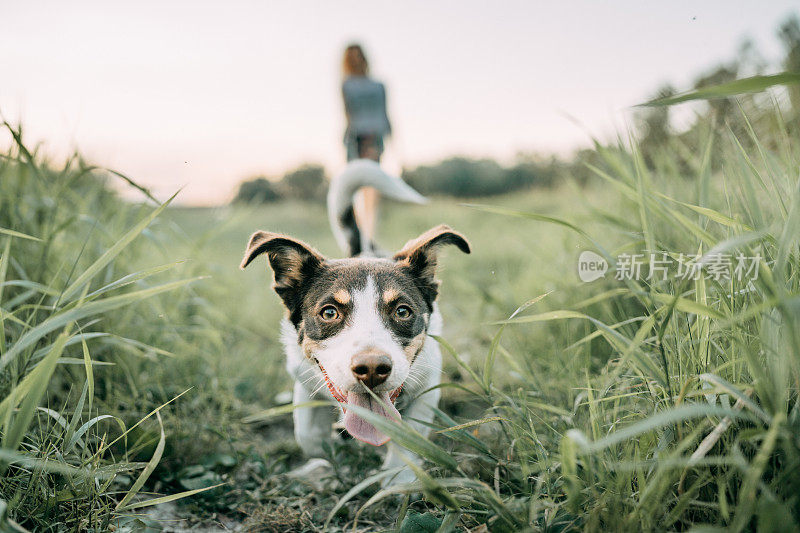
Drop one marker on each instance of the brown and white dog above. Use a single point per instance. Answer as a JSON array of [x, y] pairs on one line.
[[358, 322]]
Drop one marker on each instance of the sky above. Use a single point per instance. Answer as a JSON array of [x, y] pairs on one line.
[[202, 95]]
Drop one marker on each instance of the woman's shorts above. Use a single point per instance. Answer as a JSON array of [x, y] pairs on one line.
[[364, 147]]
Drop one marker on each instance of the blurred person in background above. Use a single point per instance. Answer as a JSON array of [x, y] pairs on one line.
[[367, 124]]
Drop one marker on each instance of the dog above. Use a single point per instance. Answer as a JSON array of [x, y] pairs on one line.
[[362, 322]]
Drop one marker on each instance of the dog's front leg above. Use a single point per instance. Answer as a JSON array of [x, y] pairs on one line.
[[312, 426], [421, 409]]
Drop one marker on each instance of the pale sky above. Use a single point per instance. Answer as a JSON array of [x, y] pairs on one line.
[[205, 94]]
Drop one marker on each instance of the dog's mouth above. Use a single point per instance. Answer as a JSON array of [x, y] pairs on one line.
[[354, 424]]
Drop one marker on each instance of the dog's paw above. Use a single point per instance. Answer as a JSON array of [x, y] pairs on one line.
[[312, 471]]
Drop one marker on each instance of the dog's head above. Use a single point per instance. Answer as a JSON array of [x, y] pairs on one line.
[[361, 320]]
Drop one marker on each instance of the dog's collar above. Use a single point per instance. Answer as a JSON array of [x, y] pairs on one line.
[[340, 397]]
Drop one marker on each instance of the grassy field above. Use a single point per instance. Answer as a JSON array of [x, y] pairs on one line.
[[511, 257], [143, 383]]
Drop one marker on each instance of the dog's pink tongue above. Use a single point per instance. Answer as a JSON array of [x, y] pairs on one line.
[[360, 428]]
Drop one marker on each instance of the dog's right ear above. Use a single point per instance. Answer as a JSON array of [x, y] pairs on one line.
[[293, 262]]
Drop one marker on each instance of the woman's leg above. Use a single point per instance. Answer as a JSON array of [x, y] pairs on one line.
[[367, 212], [366, 205]]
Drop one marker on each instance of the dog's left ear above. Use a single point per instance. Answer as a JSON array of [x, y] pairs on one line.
[[292, 261], [419, 255]]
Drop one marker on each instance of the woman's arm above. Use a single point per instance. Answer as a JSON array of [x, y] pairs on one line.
[[385, 112], [346, 103]]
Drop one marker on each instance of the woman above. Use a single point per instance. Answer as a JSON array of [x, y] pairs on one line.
[[367, 124]]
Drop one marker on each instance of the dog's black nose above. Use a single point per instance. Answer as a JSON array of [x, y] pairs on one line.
[[371, 368]]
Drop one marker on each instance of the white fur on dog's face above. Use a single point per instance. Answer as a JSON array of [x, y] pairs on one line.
[[366, 330]]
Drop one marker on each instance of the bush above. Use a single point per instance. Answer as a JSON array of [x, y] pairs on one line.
[[257, 191], [307, 182], [304, 183], [463, 177]]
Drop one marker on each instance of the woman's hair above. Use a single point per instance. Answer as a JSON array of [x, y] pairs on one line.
[[355, 62]]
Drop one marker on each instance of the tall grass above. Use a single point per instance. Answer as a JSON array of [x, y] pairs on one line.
[[687, 413], [68, 454]]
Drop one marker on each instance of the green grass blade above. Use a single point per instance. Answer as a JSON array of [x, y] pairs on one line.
[[659, 420], [753, 84], [488, 367], [109, 255], [542, 218], [12, 233], [151, 465], [132, 278], [87, 364], [357, 489], [80, 312], [409, 438], [30, 398], [167, 499], [4, 260], [281, 410], [739, 395], [747, 495]]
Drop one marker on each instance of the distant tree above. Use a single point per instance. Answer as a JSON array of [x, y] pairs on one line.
[[257, 191], [751, 62], [579, 165], [533, 170], [463, 177], [720, 108], [654, 126], [458, 176], [307, 182], [789, 34]]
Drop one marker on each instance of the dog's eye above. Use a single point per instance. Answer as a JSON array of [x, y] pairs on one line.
[[329, 313], [403, 312]]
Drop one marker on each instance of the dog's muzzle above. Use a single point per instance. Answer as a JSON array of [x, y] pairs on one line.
[[371, 368]]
